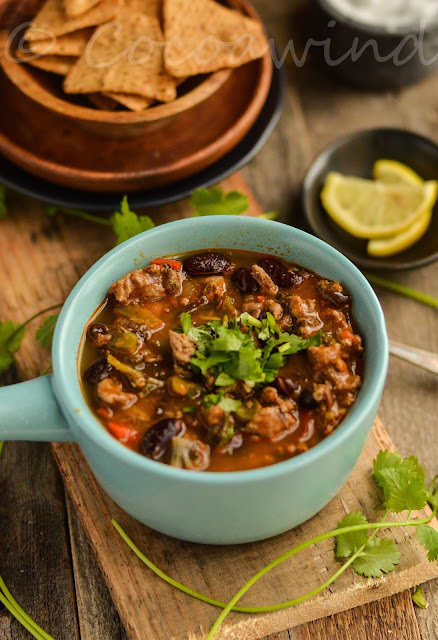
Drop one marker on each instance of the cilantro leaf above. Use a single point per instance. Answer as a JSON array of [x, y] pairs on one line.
[[386, 460], [214, 202], [11, 335], [403, 489], [419, 599], [230, 354], [3, 205], [349, 543], [227, 404], [379, 556], [44, 333], [127, 224], [391, 460], [428, 537]]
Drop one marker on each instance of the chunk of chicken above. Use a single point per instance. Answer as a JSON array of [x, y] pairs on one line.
[[110, 392], [183, 347], [305, 315], [150, 283], [274, 422]]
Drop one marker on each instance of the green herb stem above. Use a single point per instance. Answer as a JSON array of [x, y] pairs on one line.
[[389, 285], [12, 605], [376, 526], [2, 446], [46, 370], [283, 605], [34, 317], [52, 211], [271, 565]]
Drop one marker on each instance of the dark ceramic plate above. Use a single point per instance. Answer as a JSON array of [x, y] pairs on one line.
[[23, 182], [355, 155]]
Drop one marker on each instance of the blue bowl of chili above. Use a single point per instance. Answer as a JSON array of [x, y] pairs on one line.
[[215, 508]]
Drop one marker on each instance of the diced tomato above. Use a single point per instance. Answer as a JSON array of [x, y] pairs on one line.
[[260, 298], [105, 412], [125, 433], [175, 264], [348, 335]]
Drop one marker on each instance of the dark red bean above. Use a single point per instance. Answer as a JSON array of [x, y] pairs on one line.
[[286, 386], [307, 401], [98, 371], [206, 264], [279, 274], [158, 438], [245, 281]]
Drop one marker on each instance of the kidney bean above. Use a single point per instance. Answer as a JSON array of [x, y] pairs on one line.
[[279, 274], [206, 264], [158, 438], [98, 371], [245, 281], [286, 386], [307, 401]]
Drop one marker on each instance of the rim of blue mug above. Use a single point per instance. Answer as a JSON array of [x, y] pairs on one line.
[[70, 395]]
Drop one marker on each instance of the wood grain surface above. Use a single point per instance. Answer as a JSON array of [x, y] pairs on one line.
[[45, 557]]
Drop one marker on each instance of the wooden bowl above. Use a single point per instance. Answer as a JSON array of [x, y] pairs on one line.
[[59, 149], [46, 88]]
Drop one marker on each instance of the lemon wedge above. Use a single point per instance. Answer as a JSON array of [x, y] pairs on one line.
[[393, 172], [373, 209], [384, 247]]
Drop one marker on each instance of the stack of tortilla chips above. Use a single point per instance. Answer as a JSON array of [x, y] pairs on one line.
[[136, 52]]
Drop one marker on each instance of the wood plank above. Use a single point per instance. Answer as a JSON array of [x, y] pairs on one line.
[[98, 617], [35, 558], [217, 571], [67, 240]]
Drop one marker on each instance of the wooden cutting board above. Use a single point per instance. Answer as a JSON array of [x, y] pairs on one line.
[[49, 257]]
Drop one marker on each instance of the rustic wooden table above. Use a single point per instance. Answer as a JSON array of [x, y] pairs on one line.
[[44, 554]]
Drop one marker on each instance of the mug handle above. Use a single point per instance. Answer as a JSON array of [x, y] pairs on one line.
[[29, 411]]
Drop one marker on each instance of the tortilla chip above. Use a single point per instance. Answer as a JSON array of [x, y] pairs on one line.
[[132, 102], [138, 71], [61, 65], [52, 20], [103, 102], [204, 36], [71, 44], [75, 8], [110, 101]]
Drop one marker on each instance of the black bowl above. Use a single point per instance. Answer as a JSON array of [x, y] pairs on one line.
[[355, 155], [406, 55]]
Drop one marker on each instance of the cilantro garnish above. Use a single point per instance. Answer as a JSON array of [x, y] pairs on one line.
[[215, 202], [357, 540], [253, 355], [125, 223], [44, 333], [11, 335], [419, 599]]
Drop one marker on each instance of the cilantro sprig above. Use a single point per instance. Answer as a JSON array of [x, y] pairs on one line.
[[12, 334], [402, 482], [244, 349], [215, 202], [125, 223]]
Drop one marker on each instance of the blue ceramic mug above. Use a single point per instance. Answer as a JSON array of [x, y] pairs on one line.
[[216, 508]]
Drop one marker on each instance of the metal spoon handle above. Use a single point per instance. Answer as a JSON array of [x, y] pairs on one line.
[[424, 359]]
